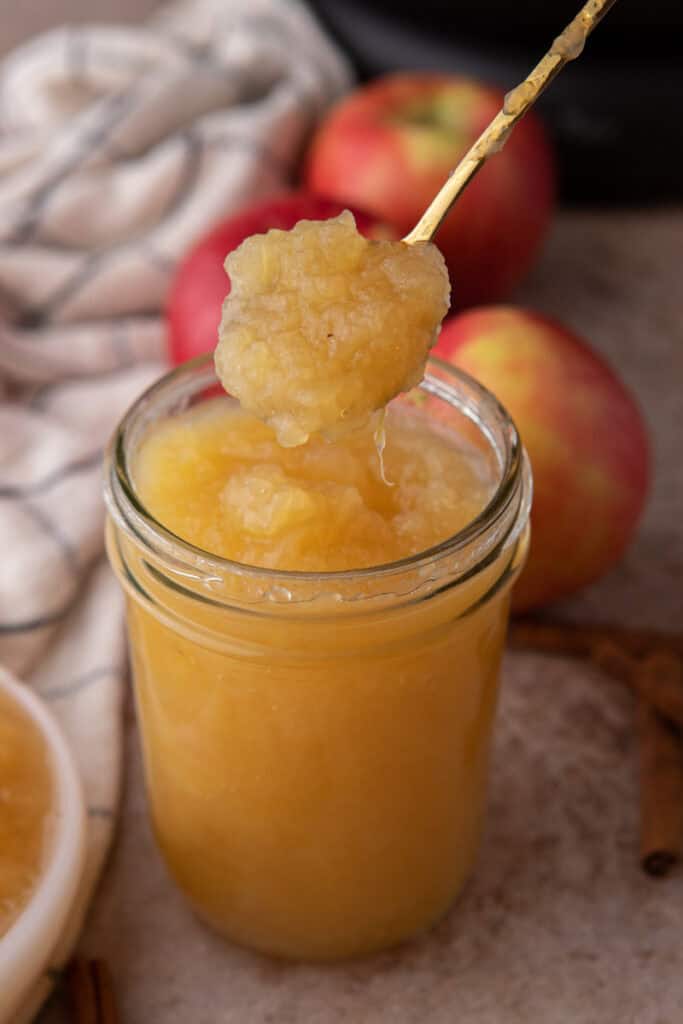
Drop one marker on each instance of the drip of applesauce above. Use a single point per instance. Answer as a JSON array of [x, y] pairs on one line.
[[570, 43], [518, 97], [567, 46], [322, 327], [26, 799], [380, 439]]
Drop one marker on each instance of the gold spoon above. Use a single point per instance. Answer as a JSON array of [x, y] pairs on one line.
[[566, 47]]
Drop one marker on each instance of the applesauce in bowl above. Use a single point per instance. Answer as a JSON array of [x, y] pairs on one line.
[[27, 798], [316, 653], [42, 844]]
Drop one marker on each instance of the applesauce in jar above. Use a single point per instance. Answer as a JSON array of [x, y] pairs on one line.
[[316, 653], [26, 804]]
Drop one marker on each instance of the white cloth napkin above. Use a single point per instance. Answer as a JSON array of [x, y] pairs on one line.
[[118, 147]]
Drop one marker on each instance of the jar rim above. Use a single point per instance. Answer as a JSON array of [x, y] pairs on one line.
[[128, 511]]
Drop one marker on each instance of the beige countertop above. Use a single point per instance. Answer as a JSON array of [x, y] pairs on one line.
[[558, 924]]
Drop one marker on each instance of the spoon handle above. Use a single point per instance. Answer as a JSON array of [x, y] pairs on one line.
[[565, 47]]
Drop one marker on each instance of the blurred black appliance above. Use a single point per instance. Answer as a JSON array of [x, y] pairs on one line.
[[610, 114]]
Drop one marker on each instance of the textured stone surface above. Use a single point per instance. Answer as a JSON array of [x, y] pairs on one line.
[[558, 925]]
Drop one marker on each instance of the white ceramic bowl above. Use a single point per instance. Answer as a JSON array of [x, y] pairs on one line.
[[26, 948]]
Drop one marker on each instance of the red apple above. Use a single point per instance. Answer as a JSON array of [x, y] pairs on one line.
[[584, 434], [201, 284], [390, 146]]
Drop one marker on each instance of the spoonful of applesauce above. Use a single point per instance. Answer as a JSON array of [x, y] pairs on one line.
[[323, 327]]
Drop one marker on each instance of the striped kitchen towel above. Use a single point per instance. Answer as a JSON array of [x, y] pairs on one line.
[[118, 146]]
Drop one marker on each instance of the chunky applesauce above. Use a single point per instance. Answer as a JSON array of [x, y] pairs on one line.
[[217, 477], [26, 799], [322, 326]]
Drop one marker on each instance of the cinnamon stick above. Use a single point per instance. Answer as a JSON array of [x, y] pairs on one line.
[[555, 637], [105, 993], [92, 992], [82, 993], [658, 680], [651, 664], [661, 792]]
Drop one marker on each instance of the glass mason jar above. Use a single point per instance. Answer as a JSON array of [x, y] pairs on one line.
[[316, 744]]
